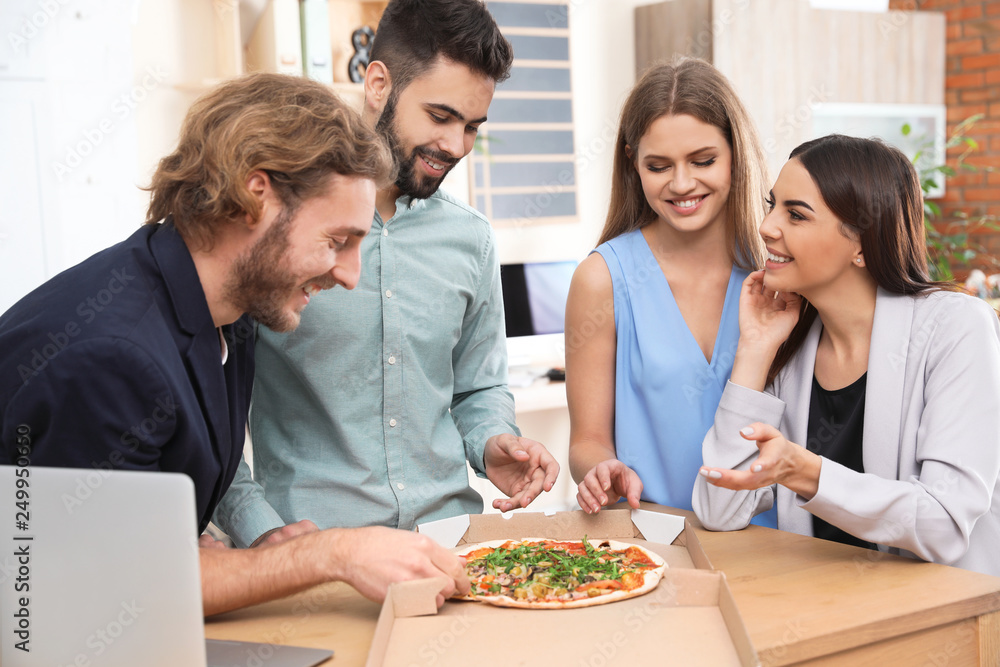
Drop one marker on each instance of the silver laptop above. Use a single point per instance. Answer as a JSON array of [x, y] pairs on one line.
[[100, 568]]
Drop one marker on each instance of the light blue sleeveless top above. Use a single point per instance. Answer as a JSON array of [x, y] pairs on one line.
[[666, 393]]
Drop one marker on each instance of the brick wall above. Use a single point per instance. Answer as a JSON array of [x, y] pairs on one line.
[[972, 86]]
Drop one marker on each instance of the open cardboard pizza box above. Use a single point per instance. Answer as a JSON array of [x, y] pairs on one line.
[[689, 619]]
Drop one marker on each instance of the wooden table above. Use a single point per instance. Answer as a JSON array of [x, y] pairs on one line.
[[804, 601]]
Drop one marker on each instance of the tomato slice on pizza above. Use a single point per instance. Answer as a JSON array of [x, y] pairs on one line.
[[538, 573]]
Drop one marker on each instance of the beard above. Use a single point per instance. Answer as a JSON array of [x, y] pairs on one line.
[[407, 179], [261, 280]]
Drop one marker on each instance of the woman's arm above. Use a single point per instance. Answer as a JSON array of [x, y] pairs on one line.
[[590, 390], [728, 454], [932, 513], [766, 320]]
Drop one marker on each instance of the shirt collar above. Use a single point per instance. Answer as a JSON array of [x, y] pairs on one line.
[[404, 204]]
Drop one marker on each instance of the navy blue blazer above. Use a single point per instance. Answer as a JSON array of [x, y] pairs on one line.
[[116, 363]]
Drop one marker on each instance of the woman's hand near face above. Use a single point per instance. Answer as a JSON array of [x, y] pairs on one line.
[[766, 320]]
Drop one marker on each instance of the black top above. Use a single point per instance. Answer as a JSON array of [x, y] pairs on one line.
[[116, 363], [836, 432]]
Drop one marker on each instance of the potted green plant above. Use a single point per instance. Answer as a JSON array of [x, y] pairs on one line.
[[949, 242]]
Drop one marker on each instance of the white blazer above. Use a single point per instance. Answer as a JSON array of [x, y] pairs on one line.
[[931, 437]]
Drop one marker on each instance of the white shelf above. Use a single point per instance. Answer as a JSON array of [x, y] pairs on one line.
[[542, 395]]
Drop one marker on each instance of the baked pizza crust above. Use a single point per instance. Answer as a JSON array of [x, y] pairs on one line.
[[651, 577]]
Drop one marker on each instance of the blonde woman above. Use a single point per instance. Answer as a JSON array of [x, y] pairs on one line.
[[651, 320]]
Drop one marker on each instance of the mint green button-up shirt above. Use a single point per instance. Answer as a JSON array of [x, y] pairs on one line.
[[366, 414]]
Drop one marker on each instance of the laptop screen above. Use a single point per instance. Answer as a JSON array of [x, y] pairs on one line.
[[99, 568]]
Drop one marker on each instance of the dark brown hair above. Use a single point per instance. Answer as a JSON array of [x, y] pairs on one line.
[[413, 34], [693, 87], [296, 130], [874, 191]]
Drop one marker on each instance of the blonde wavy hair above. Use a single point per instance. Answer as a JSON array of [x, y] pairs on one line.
[[693, 87], [294, 129]]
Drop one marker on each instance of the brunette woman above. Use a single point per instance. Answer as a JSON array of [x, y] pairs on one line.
[[877, 422]]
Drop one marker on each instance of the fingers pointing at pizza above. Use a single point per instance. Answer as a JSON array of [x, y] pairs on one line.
[[380, 556], [605, 483], [520, 468]]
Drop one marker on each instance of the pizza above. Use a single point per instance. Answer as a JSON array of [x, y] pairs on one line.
[[537, 573]]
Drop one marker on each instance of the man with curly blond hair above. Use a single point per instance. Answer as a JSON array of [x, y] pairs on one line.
[[142, 356]]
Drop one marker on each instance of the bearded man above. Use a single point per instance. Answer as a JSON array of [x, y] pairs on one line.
[[367, 414], [141, 357]]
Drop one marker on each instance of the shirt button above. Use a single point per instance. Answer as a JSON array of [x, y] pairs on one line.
[[385, 232], [392, 422], [400, 486], [388, 293], [392, 360]]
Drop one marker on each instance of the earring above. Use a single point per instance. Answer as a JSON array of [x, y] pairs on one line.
[[858, 260]]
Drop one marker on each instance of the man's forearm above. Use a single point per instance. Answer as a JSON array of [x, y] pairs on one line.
[[235, 578], [369, 559]]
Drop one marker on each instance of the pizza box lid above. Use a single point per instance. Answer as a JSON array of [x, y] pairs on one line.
[[690, 618]]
